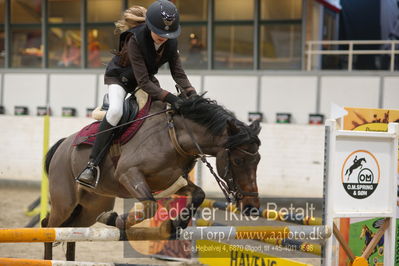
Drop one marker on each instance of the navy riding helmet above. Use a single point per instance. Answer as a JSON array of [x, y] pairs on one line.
[[163, 19]]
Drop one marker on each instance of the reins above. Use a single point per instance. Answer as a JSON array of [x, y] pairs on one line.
[[231, 190], [223, 184]]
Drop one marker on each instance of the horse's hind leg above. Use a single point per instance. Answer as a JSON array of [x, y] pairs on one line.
[[90, 206], [48, 247], [63, 205]]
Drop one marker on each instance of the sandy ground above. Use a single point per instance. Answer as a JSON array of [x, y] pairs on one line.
[[14, 201]]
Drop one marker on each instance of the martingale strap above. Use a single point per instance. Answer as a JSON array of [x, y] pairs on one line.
[[173, 138]]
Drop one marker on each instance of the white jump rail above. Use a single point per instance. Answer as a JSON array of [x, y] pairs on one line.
[[64, 234]]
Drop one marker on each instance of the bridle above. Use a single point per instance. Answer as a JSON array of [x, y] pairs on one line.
[[231, 182], [227, 182]]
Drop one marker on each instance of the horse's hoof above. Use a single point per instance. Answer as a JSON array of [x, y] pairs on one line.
[[165, 230], [168, 230], [108, 218]]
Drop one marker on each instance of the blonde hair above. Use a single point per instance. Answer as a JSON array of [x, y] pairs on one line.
[[131, 17]]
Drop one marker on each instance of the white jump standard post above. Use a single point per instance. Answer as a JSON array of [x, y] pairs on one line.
[[361, 181]]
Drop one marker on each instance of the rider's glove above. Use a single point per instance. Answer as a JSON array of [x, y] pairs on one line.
[[191, 92], [174, 101]]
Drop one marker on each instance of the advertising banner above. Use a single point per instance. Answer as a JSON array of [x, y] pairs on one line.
[[362, 230]]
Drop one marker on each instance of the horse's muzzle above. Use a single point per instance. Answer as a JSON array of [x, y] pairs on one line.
[[249, 205]]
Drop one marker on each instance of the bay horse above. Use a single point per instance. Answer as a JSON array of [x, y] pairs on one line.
[[149, 162]]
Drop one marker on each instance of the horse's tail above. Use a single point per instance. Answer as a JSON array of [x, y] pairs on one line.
[[50, 154]]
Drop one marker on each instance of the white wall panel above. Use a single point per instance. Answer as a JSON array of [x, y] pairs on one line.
[[288, 94], [21, 145], [102, 90], [351, 91], [23, 159], [167, 82], [291, 162], [237, 93], [24, 89], [62, 127], [391, 93], [77, 91]]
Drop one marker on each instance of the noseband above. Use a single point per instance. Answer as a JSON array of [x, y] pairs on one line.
[[227, 183]]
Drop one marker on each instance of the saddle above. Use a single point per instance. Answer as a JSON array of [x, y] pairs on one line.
[[135, 106]]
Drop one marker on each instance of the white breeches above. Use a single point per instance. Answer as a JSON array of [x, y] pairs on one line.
[[116, 96]]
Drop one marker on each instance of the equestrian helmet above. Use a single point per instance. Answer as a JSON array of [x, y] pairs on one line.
[[163, 19]]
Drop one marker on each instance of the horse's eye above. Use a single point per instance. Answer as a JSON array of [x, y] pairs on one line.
[[238, 161]]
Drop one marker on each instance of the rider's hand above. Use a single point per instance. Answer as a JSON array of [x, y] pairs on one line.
[[174, 101], [191, 92]]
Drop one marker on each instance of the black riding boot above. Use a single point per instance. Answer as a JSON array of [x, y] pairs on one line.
[[90, 175]]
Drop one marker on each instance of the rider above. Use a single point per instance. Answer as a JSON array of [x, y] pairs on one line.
[[143, 48]]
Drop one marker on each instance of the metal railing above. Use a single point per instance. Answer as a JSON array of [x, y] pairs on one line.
[[350, 51]]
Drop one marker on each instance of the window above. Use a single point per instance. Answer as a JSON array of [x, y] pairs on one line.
[[234, 10], [64, 11], [192, 47], [64, 38], [26, 49], [26, 11], [280, 46], [2, 33], [64, 47], [101, 41], [2, 11], [143, 3], [103, 10], [281, 9], [233, 47], [280, 34], [233, 34], [193, 38], [192, 10]]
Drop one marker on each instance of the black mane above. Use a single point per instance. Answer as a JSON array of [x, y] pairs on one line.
[[215, 118]]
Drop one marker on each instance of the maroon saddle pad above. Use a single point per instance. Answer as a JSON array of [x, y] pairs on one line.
[[85, 134]]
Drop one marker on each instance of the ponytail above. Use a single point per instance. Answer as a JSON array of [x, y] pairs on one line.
[[131, 17]]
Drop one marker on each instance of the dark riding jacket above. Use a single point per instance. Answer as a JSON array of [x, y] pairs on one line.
[[137, 63]]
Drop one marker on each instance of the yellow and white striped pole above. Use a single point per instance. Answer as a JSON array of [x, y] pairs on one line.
[[32, 262], [216, 233], [271, 215]]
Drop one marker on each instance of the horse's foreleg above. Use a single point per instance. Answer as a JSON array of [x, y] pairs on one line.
[[134, 182], [195, 196]]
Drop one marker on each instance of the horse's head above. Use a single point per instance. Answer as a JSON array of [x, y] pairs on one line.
[[237, 163], [236, 153]]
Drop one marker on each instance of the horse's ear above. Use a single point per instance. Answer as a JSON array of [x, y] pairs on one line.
[[255, 126], [232, 127]]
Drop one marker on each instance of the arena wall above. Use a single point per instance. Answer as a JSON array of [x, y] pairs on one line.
[[291, 154], [298, 93], [291, 164]]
